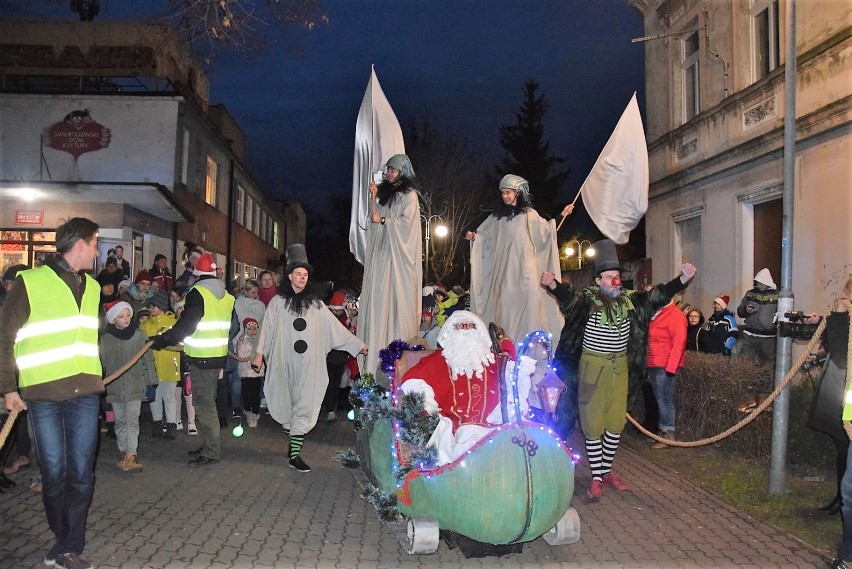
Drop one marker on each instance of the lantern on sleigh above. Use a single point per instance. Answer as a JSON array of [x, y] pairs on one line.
[[550, 389]]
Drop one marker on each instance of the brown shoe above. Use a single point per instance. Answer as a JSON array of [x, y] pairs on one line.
[[612, 479], [121, 460], [670, 435], [131, 464]]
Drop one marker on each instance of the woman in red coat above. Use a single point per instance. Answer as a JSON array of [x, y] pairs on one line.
[[666, 349]]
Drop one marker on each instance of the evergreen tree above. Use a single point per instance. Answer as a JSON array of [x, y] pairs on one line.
[[528, 155]]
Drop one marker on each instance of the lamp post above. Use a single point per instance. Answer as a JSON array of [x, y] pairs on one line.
[[440, 231], [570, 251]]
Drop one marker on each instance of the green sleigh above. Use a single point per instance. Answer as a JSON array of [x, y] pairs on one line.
[[513, 486]]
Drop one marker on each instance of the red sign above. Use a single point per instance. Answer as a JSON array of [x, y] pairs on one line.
[[29, 217], [77, 134]]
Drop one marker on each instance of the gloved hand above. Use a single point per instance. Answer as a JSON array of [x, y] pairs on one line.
[[160, 342]]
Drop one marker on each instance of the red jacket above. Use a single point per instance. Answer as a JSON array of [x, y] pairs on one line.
[[667, 339]]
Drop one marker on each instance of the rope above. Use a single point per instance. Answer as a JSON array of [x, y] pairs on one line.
[[7, 426], [751, 416]]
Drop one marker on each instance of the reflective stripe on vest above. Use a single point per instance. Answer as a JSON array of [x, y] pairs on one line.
[[210, 339], [59, 339], [847, 406]]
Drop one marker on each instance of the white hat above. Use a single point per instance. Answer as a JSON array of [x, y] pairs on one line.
[[763, 276], [113, 309]]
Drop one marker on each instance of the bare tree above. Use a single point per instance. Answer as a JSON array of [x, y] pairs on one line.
[[452, 180]]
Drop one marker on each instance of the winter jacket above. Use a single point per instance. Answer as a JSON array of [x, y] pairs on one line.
[[762, 322], [115, 352], [246, 347], [667, 339], [722, 332], [166, 362]]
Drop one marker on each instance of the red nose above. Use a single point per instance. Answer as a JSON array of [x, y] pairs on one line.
[[616, 281]]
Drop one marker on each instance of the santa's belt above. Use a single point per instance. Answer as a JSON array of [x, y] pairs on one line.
[[604, 355]]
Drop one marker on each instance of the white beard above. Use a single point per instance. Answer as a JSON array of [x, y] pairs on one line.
[[467, 354]]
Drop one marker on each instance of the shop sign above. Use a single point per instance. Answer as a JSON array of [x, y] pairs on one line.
[[77, 134], [29, 217]]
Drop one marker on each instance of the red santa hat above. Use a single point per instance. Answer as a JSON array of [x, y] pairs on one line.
[[338, 300], [249, 321], [113, 309], [722, 300], [206, 265]]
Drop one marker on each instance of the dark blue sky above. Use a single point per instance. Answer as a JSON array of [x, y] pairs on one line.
[[463, 62]]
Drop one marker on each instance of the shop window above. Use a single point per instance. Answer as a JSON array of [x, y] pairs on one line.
[[24, 247]]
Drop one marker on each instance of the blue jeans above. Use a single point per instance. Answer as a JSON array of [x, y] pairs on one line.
[[845, 549], [65, 434], [664, 391]]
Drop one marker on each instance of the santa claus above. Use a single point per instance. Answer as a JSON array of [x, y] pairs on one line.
[[460, 382]]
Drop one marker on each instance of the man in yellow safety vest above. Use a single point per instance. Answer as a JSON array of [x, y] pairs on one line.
[[204, 329], [50, 333]]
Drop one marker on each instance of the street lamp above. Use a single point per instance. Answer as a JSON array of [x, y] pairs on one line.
[[440, 231], [570, 251]]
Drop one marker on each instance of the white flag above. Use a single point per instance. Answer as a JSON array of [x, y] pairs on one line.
[[377, 138], [616, 191]]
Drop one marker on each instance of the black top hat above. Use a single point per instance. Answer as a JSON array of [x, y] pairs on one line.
[[606, 258], [297, 257]]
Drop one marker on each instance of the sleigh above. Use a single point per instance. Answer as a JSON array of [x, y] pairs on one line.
[[514, 485]]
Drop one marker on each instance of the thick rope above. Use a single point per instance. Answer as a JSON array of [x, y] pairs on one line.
[[754, 414], [7, 426], [13, 414]]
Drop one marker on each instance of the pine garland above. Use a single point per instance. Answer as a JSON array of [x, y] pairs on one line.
[[348, 458], [384, 502]]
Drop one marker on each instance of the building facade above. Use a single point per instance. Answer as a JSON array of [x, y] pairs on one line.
[[715, 127], [113, 122]]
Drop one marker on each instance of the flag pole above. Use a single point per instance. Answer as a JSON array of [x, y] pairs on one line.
[[564, 217]]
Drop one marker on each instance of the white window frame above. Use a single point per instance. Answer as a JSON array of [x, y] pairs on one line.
[[256, 227], [247, 222], [240, 206], [691, 66], [210, 188], [184, 166], [769, 46]]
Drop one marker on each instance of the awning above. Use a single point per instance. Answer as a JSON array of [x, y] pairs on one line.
[[151, 198]]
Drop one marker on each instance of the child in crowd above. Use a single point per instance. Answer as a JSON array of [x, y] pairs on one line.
[[184, 386], [118, 344], [252, 381], [167, 366]]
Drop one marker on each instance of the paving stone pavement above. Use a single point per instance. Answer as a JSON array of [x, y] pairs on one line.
[[252, 511]]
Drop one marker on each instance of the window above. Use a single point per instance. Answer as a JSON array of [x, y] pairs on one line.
[[210, 189], [691, 77], [240, 206], [276, 236], [764, 26], [256, 227], [184, 166], [249, 211]]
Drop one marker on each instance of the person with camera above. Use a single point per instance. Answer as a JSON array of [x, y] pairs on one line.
[[757, 309]]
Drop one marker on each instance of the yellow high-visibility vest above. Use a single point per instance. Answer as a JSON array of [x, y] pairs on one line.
[[210, 339], [59, 339]]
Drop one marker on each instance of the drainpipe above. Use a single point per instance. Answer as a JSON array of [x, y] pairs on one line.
[[229, 269]]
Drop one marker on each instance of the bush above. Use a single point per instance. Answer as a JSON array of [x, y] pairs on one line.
[[713, 387]]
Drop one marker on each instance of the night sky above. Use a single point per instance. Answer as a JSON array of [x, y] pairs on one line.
[[463, 62]]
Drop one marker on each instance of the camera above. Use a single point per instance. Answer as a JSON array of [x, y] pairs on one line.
[[795, 327]]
